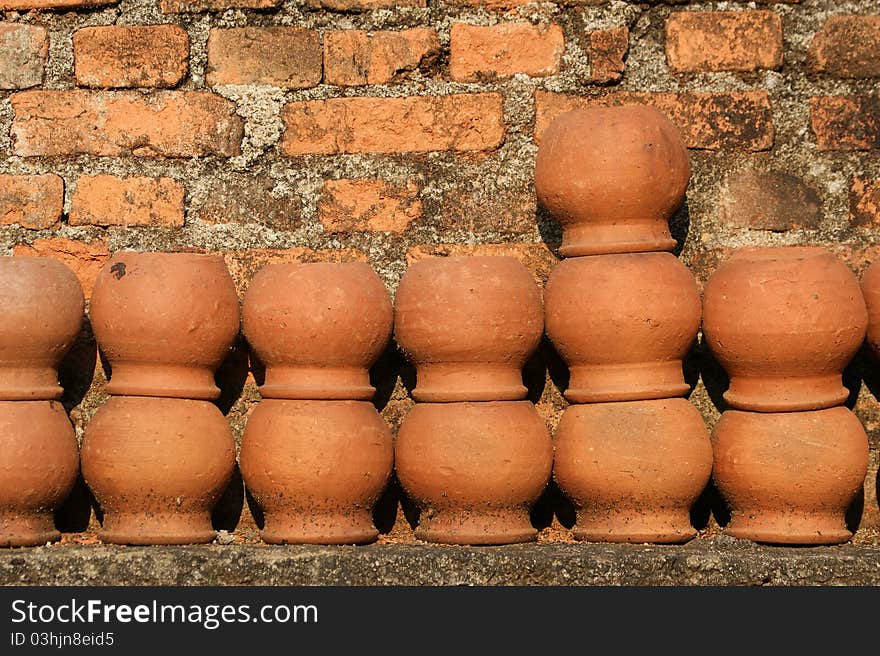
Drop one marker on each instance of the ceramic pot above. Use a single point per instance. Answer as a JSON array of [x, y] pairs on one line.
[[789, 477], [623, 323], [468, 324], [633, 470], [164, 321], [43, 308], [474, 470], [612, 177], [316, 469], [39, 462], [784, 322], [871, 293], [317, 328], [157, 466]]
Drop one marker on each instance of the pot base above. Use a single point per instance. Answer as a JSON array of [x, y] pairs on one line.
[[30, 530], [477, 528], [792, 394], [635, 527], [639, 381], [788, 527], [315, 527], [157, 528]]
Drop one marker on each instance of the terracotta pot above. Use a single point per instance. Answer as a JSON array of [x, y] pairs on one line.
[[623, 323], [468, 324], [164, 321], [317, 468], [317, 328], [613, 177], [789, 477], [871, 293], [474, 470], [39, 462], [784, 322], [633, 470], [157, 466], [43, 307]]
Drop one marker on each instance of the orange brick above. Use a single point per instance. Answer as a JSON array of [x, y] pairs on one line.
[[186, 6], [84, 259], [131, 56], [27, 5], [244, 264], [31, 201], [106, 200], [368, 205], [23, 53], [846, 123], [769, 200], [503, 50], [117, 124], [709, 121], [357, 57], [699, 41], [537, 258], [607, 51], [390, 125], [288, 57], [243, 198], [847, 46], [364, 5], [864, 202]]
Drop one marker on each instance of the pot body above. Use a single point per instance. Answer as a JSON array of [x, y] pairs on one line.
[[784, 322], [318, 328], [317, 468], [789, 477], [43, 308], [165, 322], [588, 156], [633, 469], [623, 323], [871, 293], [39, 462], [474, 470], [157, 466], [468, 324]]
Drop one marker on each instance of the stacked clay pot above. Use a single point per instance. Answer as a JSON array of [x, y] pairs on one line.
[[39, 460], [158, 454], [315, 454], [789, 457], [632, 455], [473, 454]]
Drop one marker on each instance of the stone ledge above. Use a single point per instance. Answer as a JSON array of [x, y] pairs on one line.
[[721, 561]]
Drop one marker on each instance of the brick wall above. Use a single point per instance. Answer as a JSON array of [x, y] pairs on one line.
[[388, 130]]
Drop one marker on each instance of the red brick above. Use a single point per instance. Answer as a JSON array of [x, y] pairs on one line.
[[27, 5], [846, 123], [244, 198], [699, 41], [864, 202], [357, 57], [502, 50], [23, 53], [847, 46], [607, 51], [288, 57], [708, 121], [368, 205], [106, 200], [131, 56], [769, 200], [536, 257], [84, 259], [390, 125], [117, 124], [188, 6], [31, 201], [244, 264]]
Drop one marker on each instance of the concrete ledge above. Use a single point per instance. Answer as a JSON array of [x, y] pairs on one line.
[[720, 561]]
